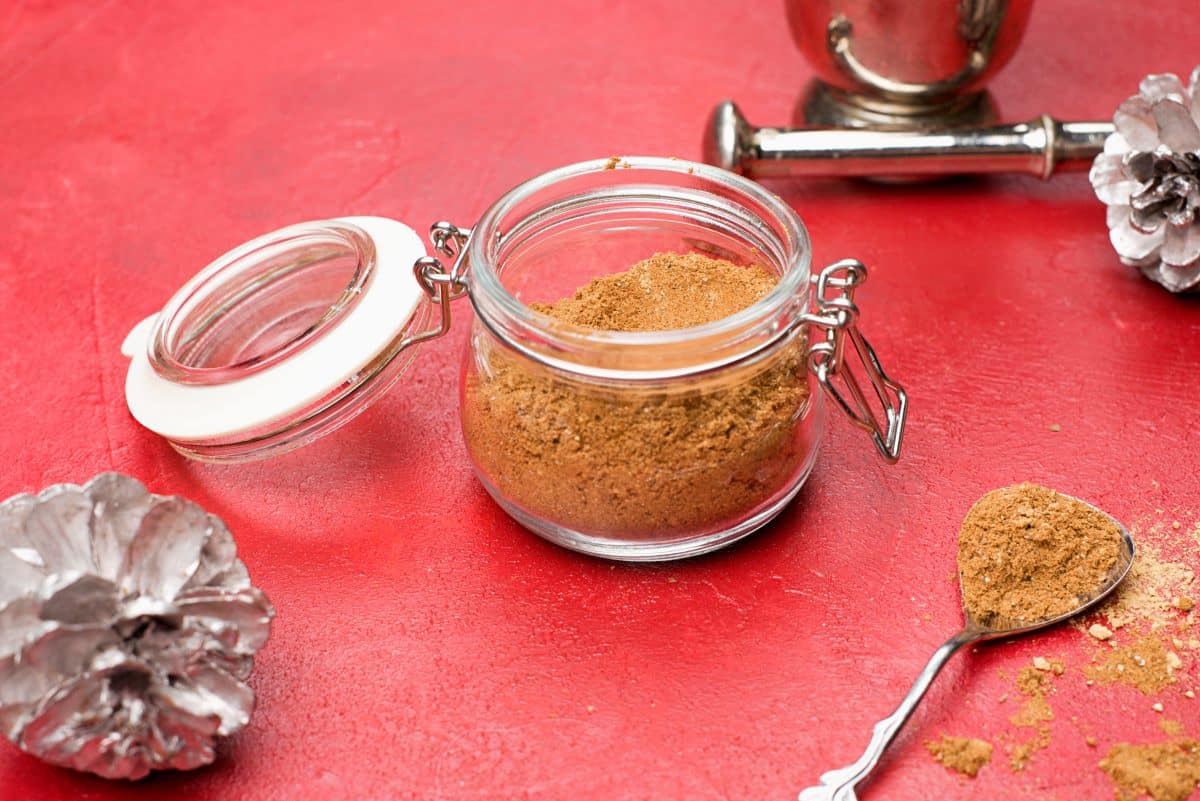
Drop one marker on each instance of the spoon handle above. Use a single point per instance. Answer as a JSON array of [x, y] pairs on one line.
[[838, 785]]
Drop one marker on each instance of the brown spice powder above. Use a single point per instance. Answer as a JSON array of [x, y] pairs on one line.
[[1167, 771], [1171, 727], [1144, 664], [1033, 713], [667, 291], [1033, 683], [1027, 553], [1147, 594], [1023, 752], [631, 464], [965, 755]]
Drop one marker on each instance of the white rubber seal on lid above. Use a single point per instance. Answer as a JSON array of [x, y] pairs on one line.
[[199, 412]]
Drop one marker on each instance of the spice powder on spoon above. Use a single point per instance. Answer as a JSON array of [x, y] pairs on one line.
[[1027, 554]]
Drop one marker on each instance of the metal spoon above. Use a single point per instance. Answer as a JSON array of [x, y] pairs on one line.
[[838, 785]]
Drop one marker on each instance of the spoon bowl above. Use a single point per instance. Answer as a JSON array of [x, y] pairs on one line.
[[1116, 575]]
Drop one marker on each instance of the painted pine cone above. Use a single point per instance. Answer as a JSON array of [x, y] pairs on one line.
[[1149, 177], [127, 628]]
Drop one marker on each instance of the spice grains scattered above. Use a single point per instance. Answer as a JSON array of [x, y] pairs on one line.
[[628, 462], [1171, 727], [1146, 665], [1167, 771], [1034, 683], [1147, 594], [1027, 553], [964, 755]]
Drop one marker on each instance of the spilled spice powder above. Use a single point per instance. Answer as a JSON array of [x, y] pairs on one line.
[[1167, 771], [964, 755], [1171, 727], [1033, 683], [1147, 594], [1144, 665], [643, 462], [1027, 553]]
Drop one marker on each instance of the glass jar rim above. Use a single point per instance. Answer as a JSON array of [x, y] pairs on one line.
[[499, 308], [218, 284]]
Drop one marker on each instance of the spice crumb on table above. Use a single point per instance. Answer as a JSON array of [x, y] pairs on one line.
[[1147, 595], [1034, 684], [1143, 665], [1172, 727], [1168, 771], [963, 755]]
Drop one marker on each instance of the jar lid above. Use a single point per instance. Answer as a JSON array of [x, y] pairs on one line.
[[279, 341]]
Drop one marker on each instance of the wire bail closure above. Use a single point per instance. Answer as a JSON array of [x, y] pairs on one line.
[[837, 316], [442, 285]]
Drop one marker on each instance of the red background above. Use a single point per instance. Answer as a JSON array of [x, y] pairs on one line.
[[425, 645]]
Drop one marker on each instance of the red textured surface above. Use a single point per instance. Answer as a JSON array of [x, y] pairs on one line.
[[427, 647]]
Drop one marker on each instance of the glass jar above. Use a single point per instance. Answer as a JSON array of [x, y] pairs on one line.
[[636, 446]]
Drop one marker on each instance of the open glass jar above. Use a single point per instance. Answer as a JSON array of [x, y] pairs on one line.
[[636, 446]]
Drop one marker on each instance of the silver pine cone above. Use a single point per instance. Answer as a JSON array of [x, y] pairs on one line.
[[127, 628], [1149, 177]]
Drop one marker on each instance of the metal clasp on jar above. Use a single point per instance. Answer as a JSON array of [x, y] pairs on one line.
[[837, 316], [442, 285]]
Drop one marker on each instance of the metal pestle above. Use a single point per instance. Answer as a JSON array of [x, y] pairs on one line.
[[1041, 147]]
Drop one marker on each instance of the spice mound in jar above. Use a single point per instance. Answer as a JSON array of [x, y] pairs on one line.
[[626, 462], [1027, 553]]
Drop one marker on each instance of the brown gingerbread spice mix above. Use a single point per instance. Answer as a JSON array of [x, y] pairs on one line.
[[1027, 553], [1167, 771], [1034, 683], [1147, 594], [1145, 664], [667, 291], [964, 755], [635, 462], [1171, 727]]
